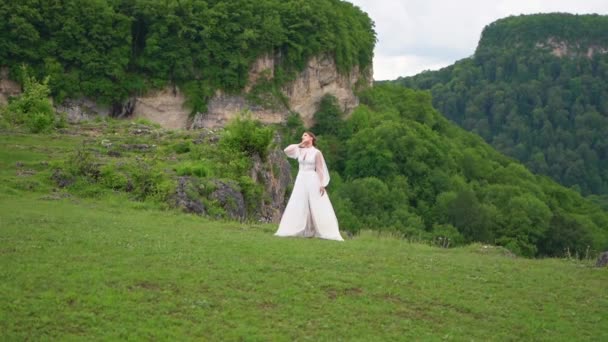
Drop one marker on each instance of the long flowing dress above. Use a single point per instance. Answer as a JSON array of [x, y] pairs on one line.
[[308, 213]]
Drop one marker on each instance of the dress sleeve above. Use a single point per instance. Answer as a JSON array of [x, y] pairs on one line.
[[321, 169], [292, 151]]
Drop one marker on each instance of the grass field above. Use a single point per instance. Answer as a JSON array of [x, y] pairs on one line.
[[109, 268]]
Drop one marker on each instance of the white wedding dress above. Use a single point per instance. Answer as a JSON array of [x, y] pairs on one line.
[[308, 213]]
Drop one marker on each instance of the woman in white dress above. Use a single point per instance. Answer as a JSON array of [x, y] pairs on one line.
[[309, 212]]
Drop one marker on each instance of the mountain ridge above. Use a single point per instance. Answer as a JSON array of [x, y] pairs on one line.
[[536, 94]]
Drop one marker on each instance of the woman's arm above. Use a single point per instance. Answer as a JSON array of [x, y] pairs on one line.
[[319, 167], [292, 151]]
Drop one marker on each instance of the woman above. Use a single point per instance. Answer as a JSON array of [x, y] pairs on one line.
[[309, 212]]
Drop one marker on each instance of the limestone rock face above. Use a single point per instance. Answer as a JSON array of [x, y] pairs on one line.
[[167, 106], [602, 260], [82, 109], [319, 78], [223, 107], [8, 88], [564, 49], [275, 174]]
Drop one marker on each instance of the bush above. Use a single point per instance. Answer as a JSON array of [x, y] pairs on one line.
[[83, 164], [4, 123], [248, 136], [32, 109], [193, 168], [348, 221], [182, 147], [446, 235], [145, 179], [253, 193], [113, 178]]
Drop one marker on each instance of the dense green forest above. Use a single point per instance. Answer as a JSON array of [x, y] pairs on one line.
[[399, 165], [110, 49], [549, 112]]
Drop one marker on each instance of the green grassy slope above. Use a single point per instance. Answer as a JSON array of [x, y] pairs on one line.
[[113, 269]]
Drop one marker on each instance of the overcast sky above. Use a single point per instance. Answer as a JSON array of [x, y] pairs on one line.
[[418, 35]]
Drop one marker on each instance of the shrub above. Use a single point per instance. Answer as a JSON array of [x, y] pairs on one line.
[[4, 123], [145, 179], [248, 136], [33, 108], [349, 222], [82, 163], [253, 193], [182, 147], [446, 235], [193, 168], [113, 178]]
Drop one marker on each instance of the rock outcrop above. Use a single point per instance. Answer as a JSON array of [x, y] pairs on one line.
[[564, 49], [223, 107], [602, 260], [275, 174], [319, 78], [183, 197], [167, 106], [82, 109], [8, 88]]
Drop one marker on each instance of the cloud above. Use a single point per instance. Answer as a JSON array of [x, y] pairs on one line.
[[426, 35], [386, 67]]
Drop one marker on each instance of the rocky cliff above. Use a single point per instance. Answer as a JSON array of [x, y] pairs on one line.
[[562, 48], [8, 87], [166, 106], [319, 78]]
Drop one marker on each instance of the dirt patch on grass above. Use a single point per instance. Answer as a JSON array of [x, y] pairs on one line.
[[333, 293]]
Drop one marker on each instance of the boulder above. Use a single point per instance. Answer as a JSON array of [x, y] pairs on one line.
[[275, 174], [186, 196], [230, 198], [602, 260]]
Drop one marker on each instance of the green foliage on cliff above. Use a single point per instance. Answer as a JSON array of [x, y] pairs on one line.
[[109, 49], [549, 112], [401, 167]]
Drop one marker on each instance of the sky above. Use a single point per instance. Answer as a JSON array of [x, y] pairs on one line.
[[415, 35]]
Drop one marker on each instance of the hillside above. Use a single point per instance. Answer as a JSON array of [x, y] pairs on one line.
[[113, 269], [536, 90], [403, 167], [397, 166], [96, 244]]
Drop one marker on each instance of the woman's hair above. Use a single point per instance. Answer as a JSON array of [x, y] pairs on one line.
[[314, 138]]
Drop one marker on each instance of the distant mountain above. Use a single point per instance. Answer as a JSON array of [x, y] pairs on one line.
[[537, 90]]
